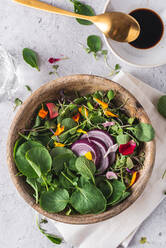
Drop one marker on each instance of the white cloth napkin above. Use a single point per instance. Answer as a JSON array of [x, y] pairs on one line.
[[121, 228]]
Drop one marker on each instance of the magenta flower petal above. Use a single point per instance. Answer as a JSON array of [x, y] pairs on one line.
[[127, 149]]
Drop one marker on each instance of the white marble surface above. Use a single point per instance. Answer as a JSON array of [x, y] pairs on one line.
[[52, 35]]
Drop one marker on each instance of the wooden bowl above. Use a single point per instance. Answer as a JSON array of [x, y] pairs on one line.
[[83, 84]]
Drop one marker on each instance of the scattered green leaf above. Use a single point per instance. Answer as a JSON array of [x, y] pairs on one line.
[[161, 106], [17, 103], [30, 58]]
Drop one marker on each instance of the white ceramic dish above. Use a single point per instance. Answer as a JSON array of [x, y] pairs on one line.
[[151, 57]]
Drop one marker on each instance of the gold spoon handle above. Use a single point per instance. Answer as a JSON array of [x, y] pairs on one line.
[[44, 6]]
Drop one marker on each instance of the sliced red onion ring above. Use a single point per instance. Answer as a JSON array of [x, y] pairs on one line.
[[82, 146], [104, 137], [113, 148], [104, 161]]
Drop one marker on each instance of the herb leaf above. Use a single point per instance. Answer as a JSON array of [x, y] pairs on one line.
[[88, 199], [94, 43], [161, 105], [17, 102], [28, 88], [54, 201], [144, 132], [30, 58], [110, 95], [83, 9], [122, 138]]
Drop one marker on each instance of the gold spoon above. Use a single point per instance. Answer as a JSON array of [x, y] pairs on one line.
[[115, 25]]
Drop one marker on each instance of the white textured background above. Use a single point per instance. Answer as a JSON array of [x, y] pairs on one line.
[[50, 36]]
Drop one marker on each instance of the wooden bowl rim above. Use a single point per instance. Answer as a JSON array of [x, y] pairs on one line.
[[88, 218]]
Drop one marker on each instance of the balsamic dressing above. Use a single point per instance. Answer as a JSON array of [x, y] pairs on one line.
[[151, 28]]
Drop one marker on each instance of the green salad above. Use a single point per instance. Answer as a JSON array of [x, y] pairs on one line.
[[83, 154]]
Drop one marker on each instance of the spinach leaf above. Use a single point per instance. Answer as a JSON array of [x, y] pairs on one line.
[[88, 199], [123, 138], [83, 9], [161, 105], [82, 181], [54, 201], [30, 58], [72, 163], [68, 123], [85, 167], [59, 151], [94, 43], [106, 188], [22, 164], [125, 194], [118, 189], [39, 159], [59, 160], [144, 132], [110, 95]]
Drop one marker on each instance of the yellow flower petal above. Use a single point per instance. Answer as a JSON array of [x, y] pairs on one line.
[[58, 144], [88, 155], [81, 131]]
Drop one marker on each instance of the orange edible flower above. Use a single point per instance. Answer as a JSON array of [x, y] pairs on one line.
[[83, 111], [42, 113], [58, 144], [133, 179], [109, 113], [59, 130], [76, 117], [103, 104], [88, 155]]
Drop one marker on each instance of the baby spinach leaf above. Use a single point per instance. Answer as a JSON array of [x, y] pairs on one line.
[[118, 189], [64, 183], [59, 151], [72, 163], [85, 167], [144, 132], [110, 95], [82, 181], [59, 160], [54, 201], [88, 199], [106, 188], [161, 105], [122, 198], [123, 138], [39, 159], [94, 43], [68, 123], [83, 9], [19, 141], [30, 58], [22, 164]]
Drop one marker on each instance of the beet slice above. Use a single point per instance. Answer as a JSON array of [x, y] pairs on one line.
[[82, 146], [104, 137], [104, 161]]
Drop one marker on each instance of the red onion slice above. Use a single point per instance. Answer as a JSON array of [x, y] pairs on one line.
[[104, 137], [82, 146], [104, 161]]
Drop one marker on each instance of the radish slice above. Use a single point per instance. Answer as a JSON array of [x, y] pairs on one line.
[[104, 137], [53, 110], [82, 146], [104, 161]]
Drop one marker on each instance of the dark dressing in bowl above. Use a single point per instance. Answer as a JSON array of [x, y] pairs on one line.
[[151, 28]]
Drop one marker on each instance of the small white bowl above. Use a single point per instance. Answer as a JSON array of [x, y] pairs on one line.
[[151, 57]]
